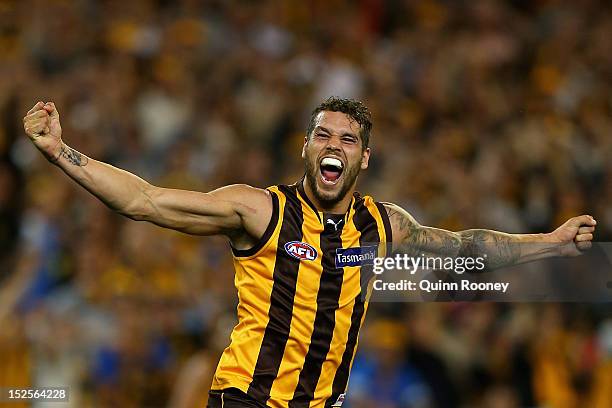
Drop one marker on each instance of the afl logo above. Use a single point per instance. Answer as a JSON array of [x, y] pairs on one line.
[[301, 251]]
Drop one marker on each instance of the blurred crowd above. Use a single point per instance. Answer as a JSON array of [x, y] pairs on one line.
[[487, 113]]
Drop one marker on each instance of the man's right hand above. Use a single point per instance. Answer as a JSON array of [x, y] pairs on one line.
[[240, 212], [42, 125]]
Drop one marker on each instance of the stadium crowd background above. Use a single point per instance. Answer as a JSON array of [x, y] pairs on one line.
[[486, 113]]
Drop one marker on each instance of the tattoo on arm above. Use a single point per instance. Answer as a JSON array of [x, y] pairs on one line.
[[73, 156], [501, 249], [417, 239]]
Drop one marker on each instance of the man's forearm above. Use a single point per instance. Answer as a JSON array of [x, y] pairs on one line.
[[501, 249], [120, 190], [497, 248]]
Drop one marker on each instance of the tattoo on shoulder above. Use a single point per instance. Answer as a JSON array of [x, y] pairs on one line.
[[414, 239], [400, 220], [73, 156]]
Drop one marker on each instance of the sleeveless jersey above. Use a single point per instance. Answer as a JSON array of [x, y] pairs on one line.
[[302, 297]]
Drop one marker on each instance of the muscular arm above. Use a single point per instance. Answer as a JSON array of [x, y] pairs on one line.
[[501, 249], [238, 211]]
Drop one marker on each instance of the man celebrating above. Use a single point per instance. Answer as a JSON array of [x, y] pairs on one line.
[[300, 306]]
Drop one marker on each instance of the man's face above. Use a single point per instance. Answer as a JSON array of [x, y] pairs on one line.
[[333, 156]]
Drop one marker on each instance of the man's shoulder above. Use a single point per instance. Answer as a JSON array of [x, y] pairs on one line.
[[244, 194], [394, 210]]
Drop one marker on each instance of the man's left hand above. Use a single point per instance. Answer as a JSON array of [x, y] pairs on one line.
[[575, 235]]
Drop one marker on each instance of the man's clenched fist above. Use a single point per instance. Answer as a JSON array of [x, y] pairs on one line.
[[575, 235], [42, 125]]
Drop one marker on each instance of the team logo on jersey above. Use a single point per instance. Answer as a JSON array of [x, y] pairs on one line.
[[339, 401], [301, 251], [356, 256]]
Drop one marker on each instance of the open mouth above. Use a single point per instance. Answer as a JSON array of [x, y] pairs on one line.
[[331, 170]]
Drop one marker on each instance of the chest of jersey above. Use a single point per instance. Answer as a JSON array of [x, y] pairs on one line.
[[302, 299]]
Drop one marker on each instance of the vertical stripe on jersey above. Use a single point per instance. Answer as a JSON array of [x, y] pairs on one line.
[[387, 227], [366, 225], [304, 312], [327, 303], [281, 300], [350, 290]]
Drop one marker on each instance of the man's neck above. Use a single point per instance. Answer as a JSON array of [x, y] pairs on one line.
[[339, 207]]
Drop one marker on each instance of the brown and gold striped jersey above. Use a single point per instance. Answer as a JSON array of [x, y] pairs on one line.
[[302, 297]]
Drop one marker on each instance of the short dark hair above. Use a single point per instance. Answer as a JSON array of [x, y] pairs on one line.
[[354, 109]]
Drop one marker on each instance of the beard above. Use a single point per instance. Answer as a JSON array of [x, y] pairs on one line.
[[329, 198]]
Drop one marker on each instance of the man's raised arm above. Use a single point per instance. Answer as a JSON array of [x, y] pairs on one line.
[[501, 249], [239, 211]]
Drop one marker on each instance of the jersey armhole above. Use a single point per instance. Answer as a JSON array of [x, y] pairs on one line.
[[242, 253], [387, 227]]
